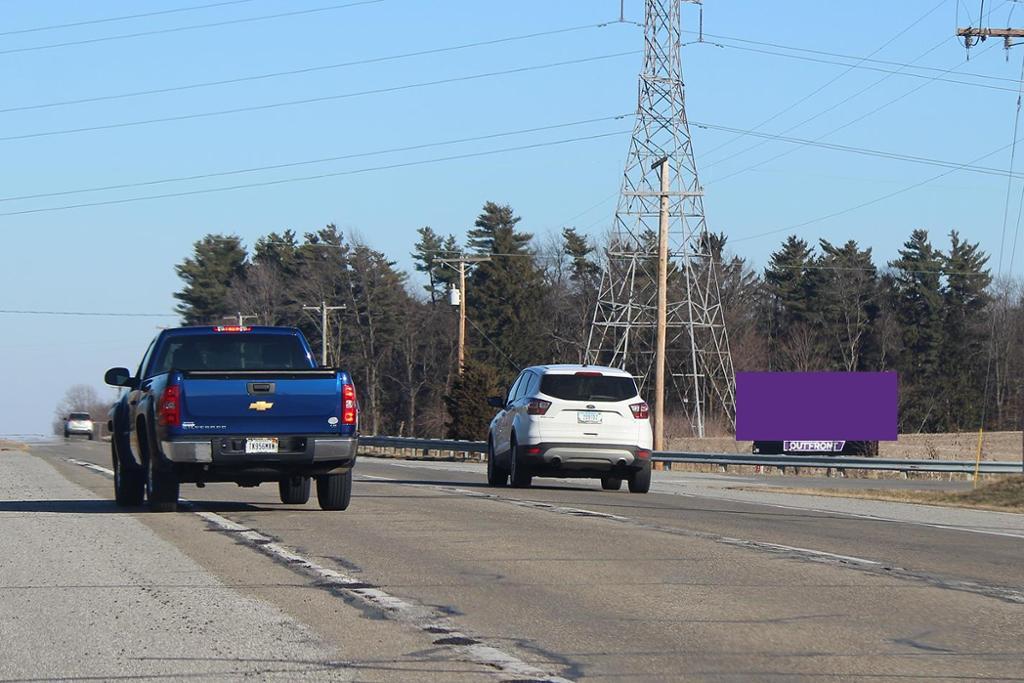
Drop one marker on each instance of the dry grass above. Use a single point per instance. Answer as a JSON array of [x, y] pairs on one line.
[[1003, 495], [12, 446]]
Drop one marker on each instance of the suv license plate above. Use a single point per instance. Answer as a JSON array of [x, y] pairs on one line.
[[589, 417], [261, 445]]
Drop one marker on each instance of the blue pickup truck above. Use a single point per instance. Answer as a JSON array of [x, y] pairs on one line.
[[232, 404]]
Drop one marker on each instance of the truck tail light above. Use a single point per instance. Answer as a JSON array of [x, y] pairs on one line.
[[348, 404], [538, 407], [641, 411], [169, 406]]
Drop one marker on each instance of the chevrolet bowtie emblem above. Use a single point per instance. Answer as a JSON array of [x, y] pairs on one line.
[[261, 405]]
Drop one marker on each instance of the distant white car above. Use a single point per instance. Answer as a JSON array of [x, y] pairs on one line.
[[571, 421], [79, 423]]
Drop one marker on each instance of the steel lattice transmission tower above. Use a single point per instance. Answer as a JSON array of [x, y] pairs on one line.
[[624, 325]]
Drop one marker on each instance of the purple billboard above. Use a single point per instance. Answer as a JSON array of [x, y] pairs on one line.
[[783, 406]]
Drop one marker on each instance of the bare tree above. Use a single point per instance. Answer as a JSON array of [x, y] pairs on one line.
[[80, 398]]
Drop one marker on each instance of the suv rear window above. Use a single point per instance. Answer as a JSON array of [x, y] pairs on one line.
[[79, 416], [230, 351], [588, 387]]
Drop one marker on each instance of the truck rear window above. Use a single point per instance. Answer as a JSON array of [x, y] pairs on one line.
[[233, 352], [588, 387]]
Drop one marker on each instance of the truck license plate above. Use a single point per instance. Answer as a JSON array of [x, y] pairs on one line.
[[261, 445], [589, 417]]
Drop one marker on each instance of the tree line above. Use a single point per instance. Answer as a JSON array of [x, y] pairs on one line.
[[934, 314]]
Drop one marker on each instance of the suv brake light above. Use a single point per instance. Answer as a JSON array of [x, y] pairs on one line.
[[169, 406], [641, 411], [232, 328], [538, 407], [348, 404]]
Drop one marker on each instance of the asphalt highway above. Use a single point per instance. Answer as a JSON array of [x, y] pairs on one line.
[[431, 575]]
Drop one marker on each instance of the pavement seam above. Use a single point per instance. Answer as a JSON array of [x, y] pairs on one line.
[[407, 613], [873, 567]]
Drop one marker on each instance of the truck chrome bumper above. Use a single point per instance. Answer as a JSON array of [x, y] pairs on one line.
[[187, 451], [318, 449]]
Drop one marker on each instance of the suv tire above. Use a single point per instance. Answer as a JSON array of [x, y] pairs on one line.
[[129, 484], [611, 483], [334, 491], [294, 490], [520, 478], [640, 481], [496, 476]]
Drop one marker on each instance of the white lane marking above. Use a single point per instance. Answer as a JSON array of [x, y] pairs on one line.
[[808, 551], [407, 613]]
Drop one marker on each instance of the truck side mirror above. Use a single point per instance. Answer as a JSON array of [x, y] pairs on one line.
[[120, 377]]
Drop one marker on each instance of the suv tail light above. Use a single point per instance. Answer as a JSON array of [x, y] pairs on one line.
[[643, 454], [641, 411], [169, 406], [538, 407], [348, 404]]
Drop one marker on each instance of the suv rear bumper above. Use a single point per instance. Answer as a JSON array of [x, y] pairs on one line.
[[582, 460]]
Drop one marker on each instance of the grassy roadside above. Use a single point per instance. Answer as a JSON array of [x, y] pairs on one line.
[[1004, 495], [6, 445]]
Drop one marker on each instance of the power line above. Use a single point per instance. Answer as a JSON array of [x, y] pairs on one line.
[[834, 130], [177, 29], [124, 17], [88, 313], [318, 176], [869, 202], [314, 100], [308, 162], [829, 82], [294, 72]]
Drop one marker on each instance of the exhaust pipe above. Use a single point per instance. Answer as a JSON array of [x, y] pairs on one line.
[[622, 462], [556, 461]]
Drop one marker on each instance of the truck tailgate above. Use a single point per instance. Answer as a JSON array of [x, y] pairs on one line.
[[261, 403]]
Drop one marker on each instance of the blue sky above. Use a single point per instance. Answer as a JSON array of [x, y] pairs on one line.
[[119, 257]]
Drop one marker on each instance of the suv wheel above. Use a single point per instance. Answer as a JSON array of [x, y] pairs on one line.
[[611, 483], [640, 481], [521, 478], [294, 490], [496, 476]]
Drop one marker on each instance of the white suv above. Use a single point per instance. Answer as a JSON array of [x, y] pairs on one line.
[[571, 421], [79, 423]]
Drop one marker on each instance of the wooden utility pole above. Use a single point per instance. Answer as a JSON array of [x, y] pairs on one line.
[[662, 316], [323, 308], [459, 263]]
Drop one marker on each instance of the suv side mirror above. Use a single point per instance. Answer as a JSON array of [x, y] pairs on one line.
[[120, 377], [496, 402]]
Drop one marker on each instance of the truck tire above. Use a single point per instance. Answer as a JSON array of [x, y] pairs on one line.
[[334, 491], [640, 481], [295, 490], [162, 487], [129, 485], [519, 476], [611, 483], [496, 476]]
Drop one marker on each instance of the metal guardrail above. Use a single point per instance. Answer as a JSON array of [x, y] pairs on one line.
[[828, 462]]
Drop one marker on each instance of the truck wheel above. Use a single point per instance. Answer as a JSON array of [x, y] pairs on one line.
[[495, 475], [161, 487], [521, 479], [640, 481], [129, 486], [334, 491], [295, 490], [611, 483]]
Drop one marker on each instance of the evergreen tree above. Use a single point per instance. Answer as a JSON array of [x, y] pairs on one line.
[[790, 286], [216, 262], [965, 333], [917, 281], [469, 414], [430, 248], [578, 248], [503, 302]]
